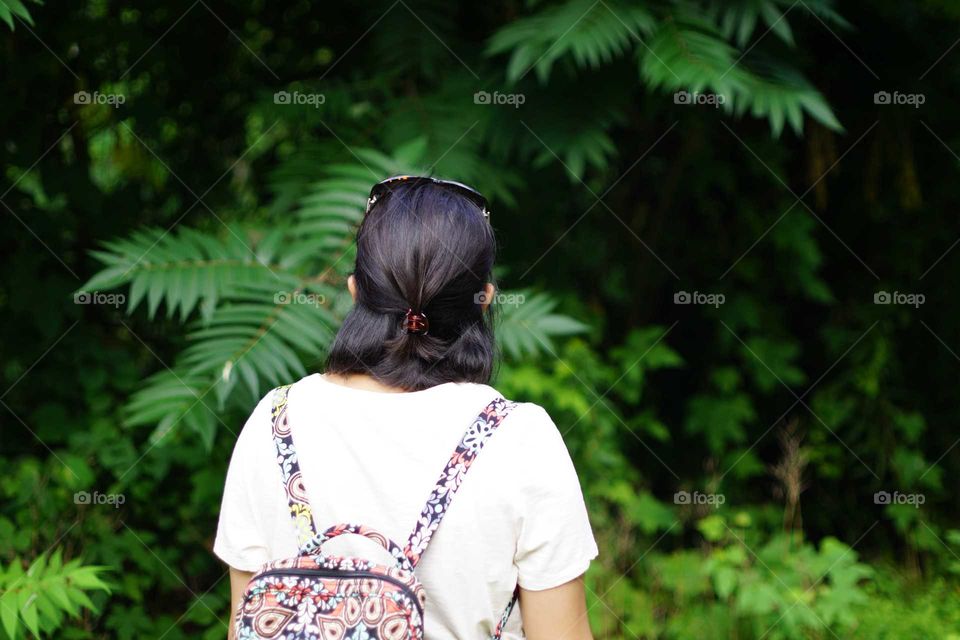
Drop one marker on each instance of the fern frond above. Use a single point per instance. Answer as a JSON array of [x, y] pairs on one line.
[[296, 170], [270, 315], [592, 33], [261, 336], [458, 133], [169, 399], [572, 125], [738, 20], [412, 39], [691, 47], [15, 8], [185, 268], [690, 54], [328, 214], [527, 323], [825, 11], [780, 93], [258, 334]]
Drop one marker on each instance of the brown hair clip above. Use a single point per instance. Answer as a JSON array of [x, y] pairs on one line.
[[416, 322]]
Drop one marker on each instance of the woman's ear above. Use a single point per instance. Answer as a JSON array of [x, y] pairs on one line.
[[352, 286], [488, 292]]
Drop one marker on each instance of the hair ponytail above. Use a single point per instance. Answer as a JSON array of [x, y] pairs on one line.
[[424, 256]]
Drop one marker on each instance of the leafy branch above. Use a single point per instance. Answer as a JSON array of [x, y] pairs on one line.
[[41, 598]]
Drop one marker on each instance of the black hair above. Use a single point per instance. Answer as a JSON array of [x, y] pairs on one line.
[[422, 247]]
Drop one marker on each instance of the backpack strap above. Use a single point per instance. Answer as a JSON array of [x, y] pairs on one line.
[[452, 476], [506, 614], [290, 469], [460, 461], [437, 504]]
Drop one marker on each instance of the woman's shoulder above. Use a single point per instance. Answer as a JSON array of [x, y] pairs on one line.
[[258, 424], [527, 420], [529, 417], [528, 423]]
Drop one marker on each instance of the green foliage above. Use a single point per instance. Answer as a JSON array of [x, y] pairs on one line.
[[266, 297], [182, 268], [591, 33], [690, 53], [15, 8], [902, 608], [684, 46], [39, 599], [746, 580], [525, 328], [226, 222]]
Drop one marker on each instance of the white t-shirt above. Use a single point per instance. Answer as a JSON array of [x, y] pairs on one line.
[[373, 458]]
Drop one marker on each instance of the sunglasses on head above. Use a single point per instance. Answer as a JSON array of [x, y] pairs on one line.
[[386, 186]]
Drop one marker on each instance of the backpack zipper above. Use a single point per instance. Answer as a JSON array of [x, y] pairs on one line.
[[327, 573]]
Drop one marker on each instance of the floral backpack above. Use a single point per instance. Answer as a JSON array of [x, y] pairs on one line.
[[319, 597]]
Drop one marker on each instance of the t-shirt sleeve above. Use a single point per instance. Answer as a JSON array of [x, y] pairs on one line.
[[555, 543], [242, 540]]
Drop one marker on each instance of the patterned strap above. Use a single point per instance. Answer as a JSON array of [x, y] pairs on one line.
[[437, 504], [506, 614], [290, 470], [313, 546], [450, 479], [452, 476]]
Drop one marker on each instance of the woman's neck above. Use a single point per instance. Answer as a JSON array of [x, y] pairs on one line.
[[361, 381]]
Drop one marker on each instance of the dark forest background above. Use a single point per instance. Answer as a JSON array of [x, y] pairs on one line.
[[728, 270]]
